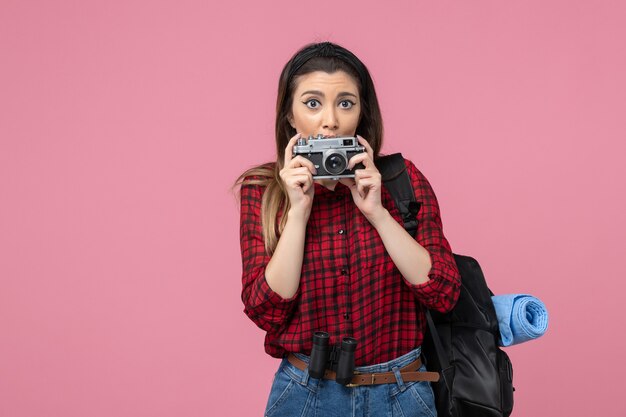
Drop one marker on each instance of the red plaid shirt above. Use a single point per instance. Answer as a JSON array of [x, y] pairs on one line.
[[349, 286]]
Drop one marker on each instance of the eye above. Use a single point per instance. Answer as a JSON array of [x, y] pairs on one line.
[[346, 104], [312, 103]]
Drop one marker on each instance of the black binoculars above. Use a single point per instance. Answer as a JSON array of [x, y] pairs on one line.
[[338, 358]]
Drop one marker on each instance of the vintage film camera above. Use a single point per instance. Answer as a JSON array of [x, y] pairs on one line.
[[330, 155]]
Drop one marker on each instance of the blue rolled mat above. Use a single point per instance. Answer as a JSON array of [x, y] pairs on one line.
[[521, 317]]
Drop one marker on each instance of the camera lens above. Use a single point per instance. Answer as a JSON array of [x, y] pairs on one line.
[[335, 163]]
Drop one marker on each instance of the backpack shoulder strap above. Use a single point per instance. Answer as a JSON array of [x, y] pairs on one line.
[[397, 182]]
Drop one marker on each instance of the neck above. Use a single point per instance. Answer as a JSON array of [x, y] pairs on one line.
[[328, 183]]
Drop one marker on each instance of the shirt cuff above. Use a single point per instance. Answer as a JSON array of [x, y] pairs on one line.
[[437, 288], [267, 308], [263, 295]]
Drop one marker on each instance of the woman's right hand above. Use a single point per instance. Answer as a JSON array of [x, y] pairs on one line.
[[297, 177]]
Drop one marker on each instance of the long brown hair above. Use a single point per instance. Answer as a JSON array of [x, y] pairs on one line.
[[329, 58]]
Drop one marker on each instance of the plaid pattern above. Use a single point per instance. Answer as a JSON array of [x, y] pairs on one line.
[[349, 286]]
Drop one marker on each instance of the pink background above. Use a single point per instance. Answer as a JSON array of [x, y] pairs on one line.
[[123, 125]]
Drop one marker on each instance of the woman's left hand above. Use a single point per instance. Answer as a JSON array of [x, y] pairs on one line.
[[367, 183]]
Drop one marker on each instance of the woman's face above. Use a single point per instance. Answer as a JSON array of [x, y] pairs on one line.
[[326, 104]]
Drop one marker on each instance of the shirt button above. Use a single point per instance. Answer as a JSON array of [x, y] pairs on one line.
[[341, 231], [346, 316], [344, 272]]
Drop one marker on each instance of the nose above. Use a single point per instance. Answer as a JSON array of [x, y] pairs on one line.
[[330, 122]]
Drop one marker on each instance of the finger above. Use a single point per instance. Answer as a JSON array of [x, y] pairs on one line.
[[362, 190], [289, 148], [362, 174], [362, 158], [288, 172], [300, 161], [367, 146], [298, 180], [308, 184], [366, 182], [348, 182]]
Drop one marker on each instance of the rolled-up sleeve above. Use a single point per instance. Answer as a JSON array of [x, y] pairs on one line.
[[441, 291], [262, 305]]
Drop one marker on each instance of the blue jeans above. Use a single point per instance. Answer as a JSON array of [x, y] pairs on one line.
[[295, 394]]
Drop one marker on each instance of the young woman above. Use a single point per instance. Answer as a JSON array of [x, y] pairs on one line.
[[333, 256]]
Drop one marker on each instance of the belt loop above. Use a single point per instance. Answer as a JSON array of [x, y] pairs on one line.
[[399, 380], [305, 377]]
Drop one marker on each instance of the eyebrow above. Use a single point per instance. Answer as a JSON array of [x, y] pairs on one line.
[[319, 93]]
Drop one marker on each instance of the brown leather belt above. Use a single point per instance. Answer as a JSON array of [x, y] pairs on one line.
[[409, 373]]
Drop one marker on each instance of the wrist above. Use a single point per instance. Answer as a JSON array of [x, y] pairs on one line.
[[379, 218], [298, 215]]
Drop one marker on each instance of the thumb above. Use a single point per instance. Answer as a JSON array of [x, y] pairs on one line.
[[351, 184], [348, 182]]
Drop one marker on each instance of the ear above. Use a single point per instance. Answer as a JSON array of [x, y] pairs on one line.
[[290, 120]]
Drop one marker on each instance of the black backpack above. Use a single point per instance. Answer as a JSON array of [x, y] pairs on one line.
[[462, 345]]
